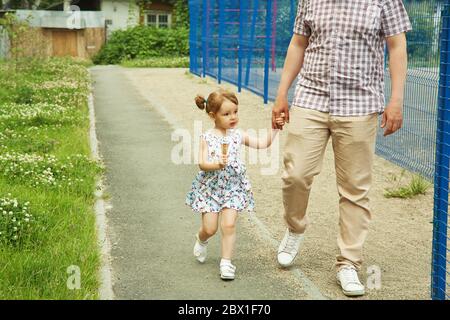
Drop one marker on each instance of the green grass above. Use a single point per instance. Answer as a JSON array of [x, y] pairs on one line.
[[157, 62], [188, 74], [416, 186], [63, 231]]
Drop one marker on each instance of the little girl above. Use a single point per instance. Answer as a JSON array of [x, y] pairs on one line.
[[222, 186]]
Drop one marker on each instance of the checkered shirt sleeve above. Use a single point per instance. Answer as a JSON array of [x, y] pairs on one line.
[[300, 26], [394, 18]]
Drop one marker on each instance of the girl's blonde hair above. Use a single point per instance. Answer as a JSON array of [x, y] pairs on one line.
[[215, 100]]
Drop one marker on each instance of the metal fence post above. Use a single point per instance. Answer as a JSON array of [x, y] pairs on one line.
[[193, 11], [205, 35], [242, 17], [441, 178], [220, 39], [252, 41], [267, 49]]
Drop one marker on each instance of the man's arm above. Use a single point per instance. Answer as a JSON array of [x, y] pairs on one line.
[[292, 65], [398, 60]]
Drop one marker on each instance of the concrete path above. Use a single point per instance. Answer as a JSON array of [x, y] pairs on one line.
[[150, 228]]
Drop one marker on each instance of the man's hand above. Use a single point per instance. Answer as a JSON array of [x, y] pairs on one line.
[[392, 117], [280, 107]]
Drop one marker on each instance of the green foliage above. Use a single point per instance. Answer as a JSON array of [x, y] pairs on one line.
[[157, 62], [47, 180], [181, 14], [16, 222], [8, 21], [142, 42], [417, 186]]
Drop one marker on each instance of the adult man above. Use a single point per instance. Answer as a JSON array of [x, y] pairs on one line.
[[338, 48]]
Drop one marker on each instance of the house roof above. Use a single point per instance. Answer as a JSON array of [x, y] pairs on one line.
[[157, 6]]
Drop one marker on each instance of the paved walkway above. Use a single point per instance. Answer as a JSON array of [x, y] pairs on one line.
[[150, 228]]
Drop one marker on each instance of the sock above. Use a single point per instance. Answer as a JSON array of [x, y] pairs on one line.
[[225, 261]]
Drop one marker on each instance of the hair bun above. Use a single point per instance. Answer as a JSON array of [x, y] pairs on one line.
[[200, 102]]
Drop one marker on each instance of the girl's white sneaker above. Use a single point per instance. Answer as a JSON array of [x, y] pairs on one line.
[[227, 271], [200, 251]]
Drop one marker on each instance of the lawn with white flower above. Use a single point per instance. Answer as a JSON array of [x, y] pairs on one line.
[[47, 180]]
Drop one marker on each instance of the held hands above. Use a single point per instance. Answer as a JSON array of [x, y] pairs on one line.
[[280, 110], [280, 120]]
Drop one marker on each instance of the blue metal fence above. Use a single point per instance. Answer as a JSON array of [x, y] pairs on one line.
[[245, 43], [412, 147], [239, 42], [440, 287]]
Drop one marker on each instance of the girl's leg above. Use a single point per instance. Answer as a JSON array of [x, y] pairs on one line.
[[228, 228], [210, 222]]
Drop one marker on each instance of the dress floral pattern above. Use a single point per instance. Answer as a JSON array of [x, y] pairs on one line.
[[230, 187]]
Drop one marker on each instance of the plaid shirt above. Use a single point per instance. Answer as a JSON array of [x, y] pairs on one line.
[[343, 67]]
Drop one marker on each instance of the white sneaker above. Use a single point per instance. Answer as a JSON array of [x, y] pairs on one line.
[[349, 281], [200, 249], [227, 271], [288, 249]]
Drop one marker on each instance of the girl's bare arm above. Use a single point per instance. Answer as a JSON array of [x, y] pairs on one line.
[[254, 142]]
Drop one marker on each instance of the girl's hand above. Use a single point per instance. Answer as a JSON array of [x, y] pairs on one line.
[[281, 106], [223, 161], [280, 120]]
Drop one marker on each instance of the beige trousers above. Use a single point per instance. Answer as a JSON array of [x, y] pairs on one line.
[[353, 140]]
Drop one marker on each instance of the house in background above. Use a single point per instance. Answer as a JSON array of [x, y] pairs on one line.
[[79, 28], [158, 15], [120, 14], [60, 31]]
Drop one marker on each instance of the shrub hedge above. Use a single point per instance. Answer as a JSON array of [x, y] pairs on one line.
[[142, 42]]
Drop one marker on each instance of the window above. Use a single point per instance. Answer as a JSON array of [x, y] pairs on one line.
[[163, 21], [151, 20], [158, 19]]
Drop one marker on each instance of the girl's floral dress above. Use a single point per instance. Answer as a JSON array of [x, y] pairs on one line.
[[229, 187]]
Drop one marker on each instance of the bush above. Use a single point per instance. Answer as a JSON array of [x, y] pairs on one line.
[[157, 62], [144, 42]]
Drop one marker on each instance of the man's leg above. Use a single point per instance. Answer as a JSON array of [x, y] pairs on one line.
[[354, 146], [307, 139]]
